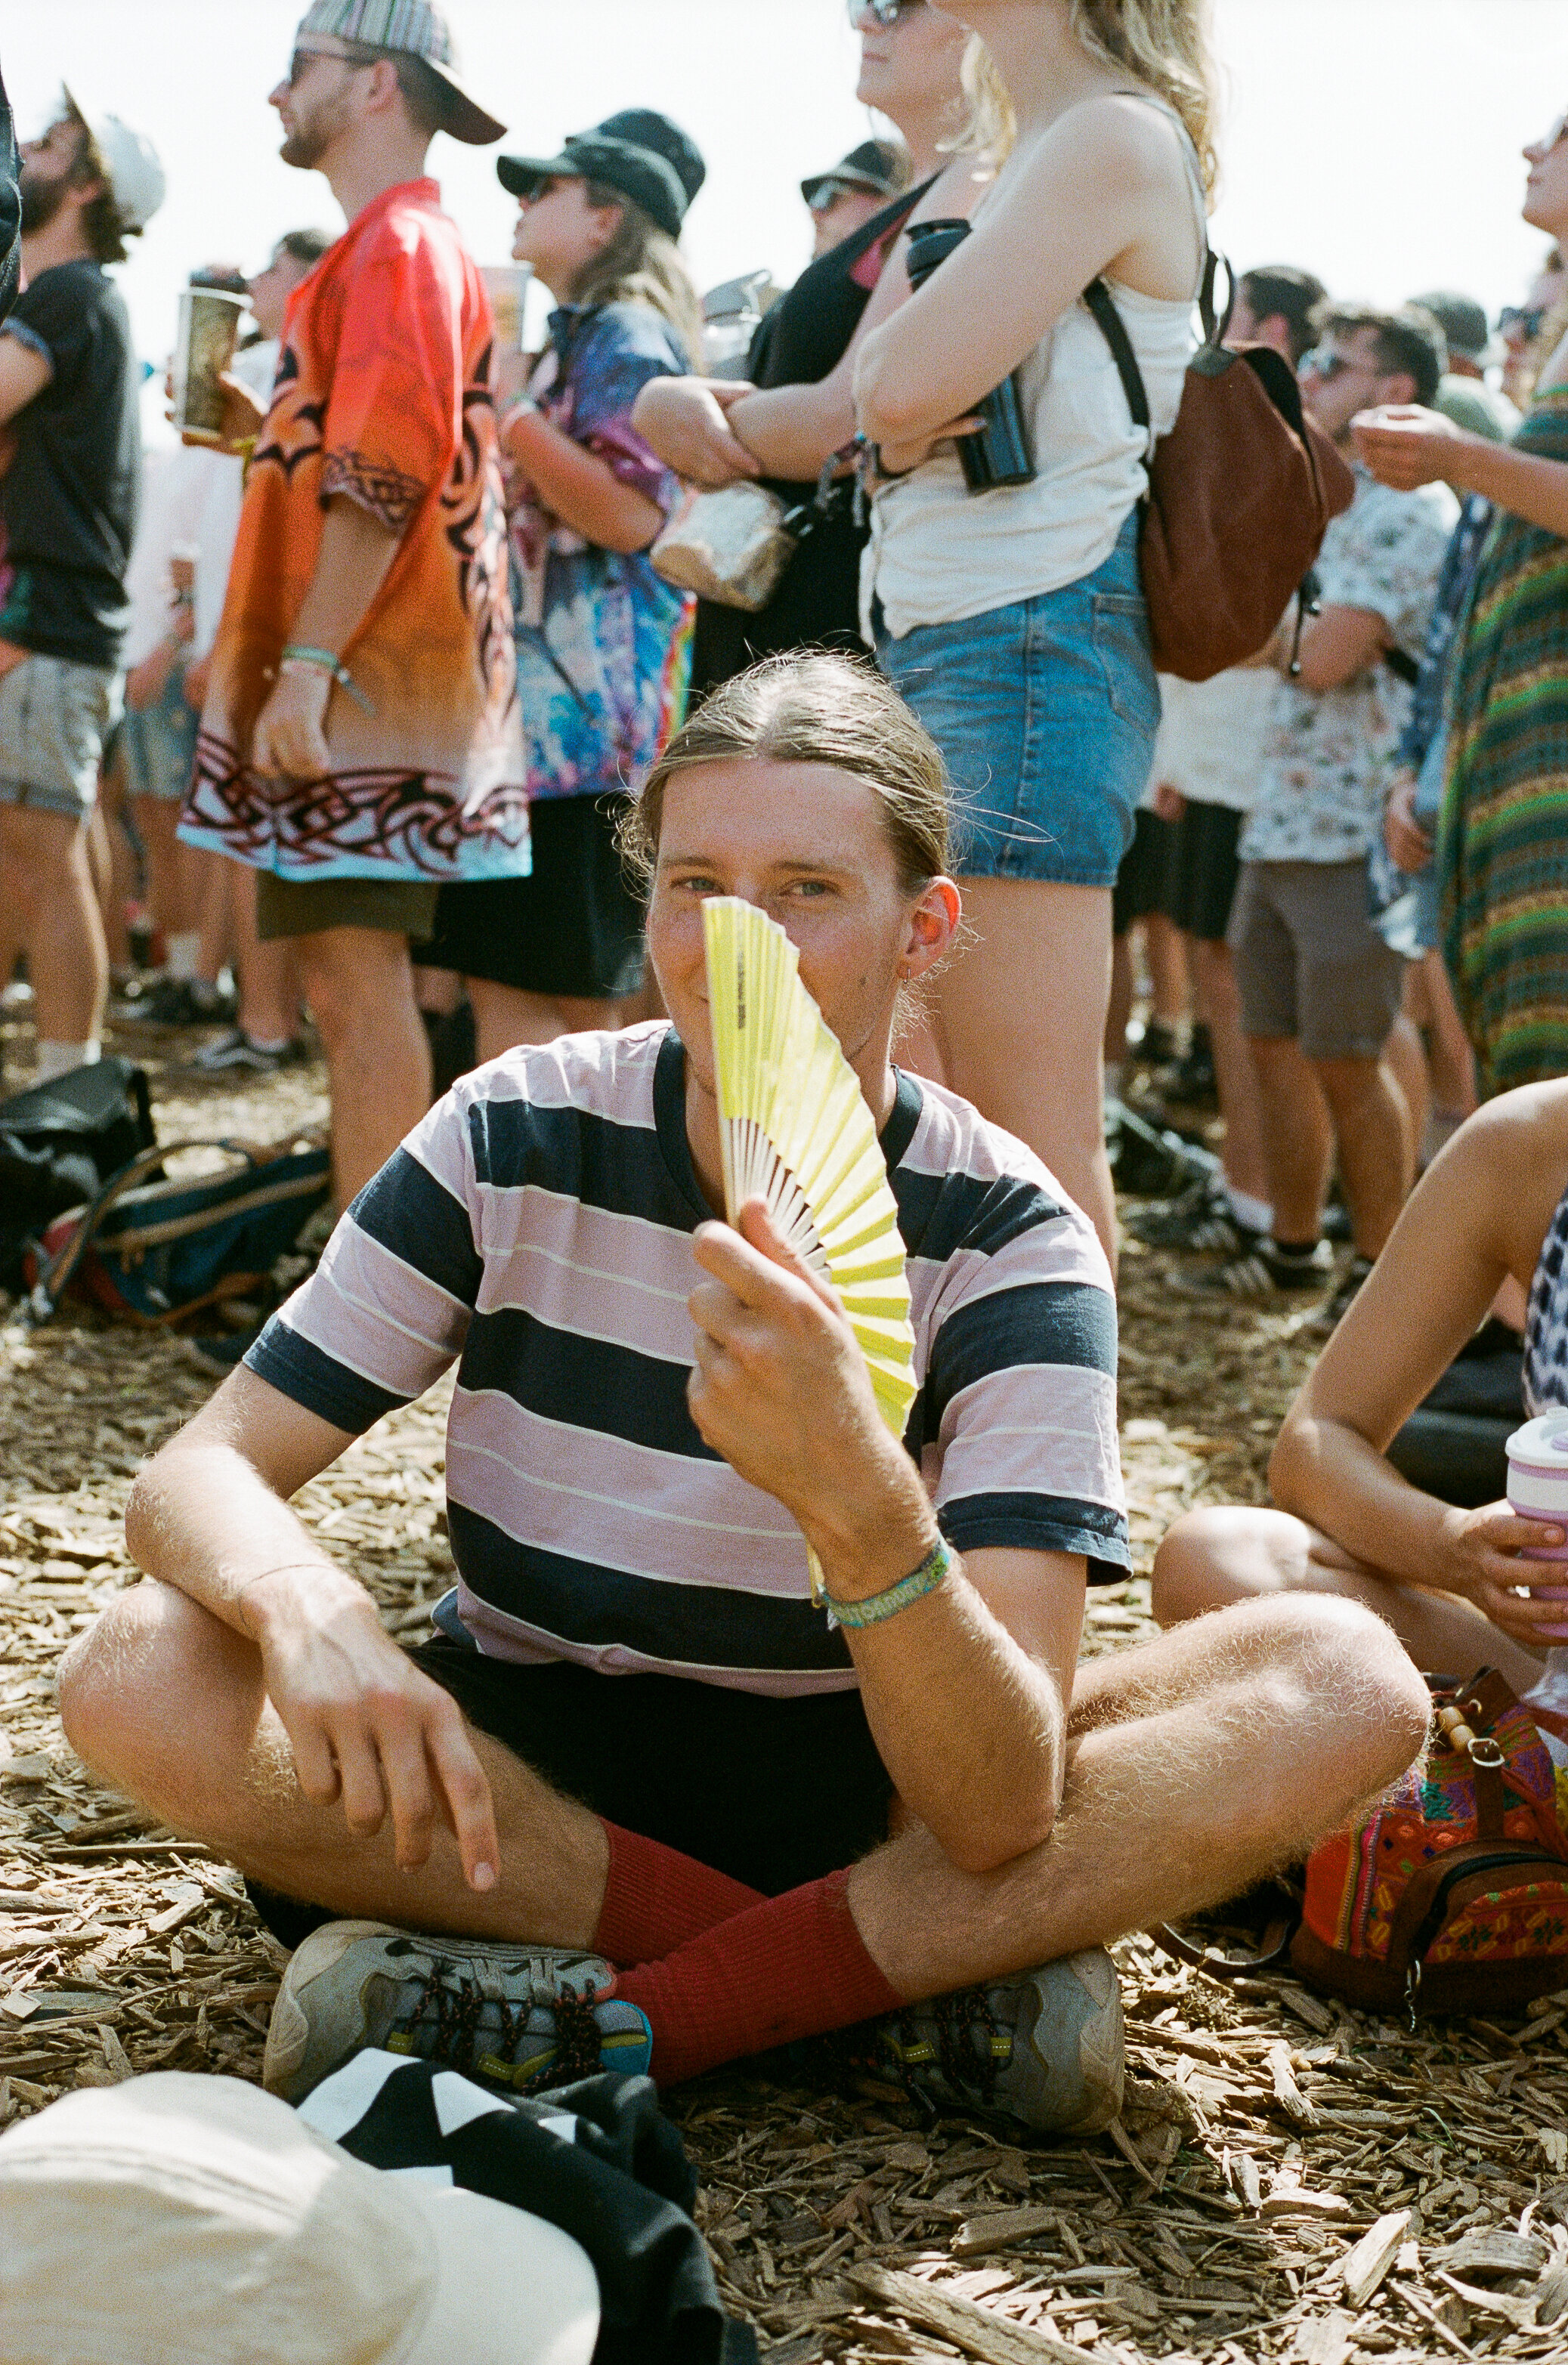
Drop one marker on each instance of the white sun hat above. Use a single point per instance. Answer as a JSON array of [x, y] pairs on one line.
[[131, 163], [199, 2217]]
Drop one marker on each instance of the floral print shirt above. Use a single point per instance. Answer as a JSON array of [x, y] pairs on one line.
[[603, 643], [1327, 755]]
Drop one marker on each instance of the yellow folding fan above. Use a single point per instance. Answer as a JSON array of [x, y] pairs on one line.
[[796, 1131]]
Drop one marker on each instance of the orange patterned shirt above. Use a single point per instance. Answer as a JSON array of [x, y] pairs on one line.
[[383, 395]]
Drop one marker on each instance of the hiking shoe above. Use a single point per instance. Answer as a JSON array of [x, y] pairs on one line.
[[234, 1051], [517, 2017], [1044, 2046], [1190, 1079], [1260, 1272], [1329, 1316]]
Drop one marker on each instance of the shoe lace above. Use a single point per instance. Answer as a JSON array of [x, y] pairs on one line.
[[456, 2003], [576, 2053], [957, 2017]]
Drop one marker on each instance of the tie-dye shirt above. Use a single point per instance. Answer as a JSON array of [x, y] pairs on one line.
[[382, 394], [603, 643], [536, 1228]]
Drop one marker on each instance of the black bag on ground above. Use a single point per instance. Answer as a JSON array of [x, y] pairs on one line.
[[60, 1143]]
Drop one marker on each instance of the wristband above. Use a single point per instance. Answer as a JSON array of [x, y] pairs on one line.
[[524, 407], [936, 1565], [328, 662]]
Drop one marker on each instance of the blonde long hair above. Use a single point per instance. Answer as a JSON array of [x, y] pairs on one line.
[[1163, 44], [990, 126], [642, 264]]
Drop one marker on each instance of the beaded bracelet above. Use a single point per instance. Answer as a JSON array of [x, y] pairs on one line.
[[933, 1569]]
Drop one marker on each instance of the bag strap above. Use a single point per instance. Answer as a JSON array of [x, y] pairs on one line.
[[44, 1297], [1272, 1949], [1102, 304]]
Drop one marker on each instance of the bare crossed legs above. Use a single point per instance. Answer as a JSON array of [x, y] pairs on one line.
[[1198, 1761]]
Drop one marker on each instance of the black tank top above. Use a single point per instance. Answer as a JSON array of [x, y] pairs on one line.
[[801, 340]]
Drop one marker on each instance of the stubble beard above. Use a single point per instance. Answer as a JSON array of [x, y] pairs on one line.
[[42, 197], [312, 135]]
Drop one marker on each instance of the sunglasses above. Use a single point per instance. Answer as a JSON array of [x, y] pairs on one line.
[[1525, 317], [1325, 366], [832, 192], [537, 188], [302, 60], [885, 14]]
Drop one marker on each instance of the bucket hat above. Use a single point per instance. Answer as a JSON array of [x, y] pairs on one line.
[[198, 2216]]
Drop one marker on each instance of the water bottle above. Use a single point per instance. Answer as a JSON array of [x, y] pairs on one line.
[[1538, 1489], [998, 451]]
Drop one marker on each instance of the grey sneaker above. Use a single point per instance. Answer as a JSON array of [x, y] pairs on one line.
[[521, 2017], [1044, 2047]]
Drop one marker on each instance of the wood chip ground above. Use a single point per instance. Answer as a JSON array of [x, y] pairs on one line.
[[1290, 2180]]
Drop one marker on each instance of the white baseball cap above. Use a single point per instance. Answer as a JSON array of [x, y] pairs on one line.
[[197, 2217], [130, 162]]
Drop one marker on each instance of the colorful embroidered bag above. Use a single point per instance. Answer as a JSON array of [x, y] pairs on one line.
[[1449, 1892]]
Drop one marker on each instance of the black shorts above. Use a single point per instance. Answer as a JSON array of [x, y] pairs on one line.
[[574, 928], [1200, 870], [1141, 881], [774, 1792]]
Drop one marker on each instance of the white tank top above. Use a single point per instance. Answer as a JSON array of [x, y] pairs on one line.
[[939, 552]]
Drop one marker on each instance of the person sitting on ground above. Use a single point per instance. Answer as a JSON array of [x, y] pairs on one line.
[[1346, 1526], [634, 1732]]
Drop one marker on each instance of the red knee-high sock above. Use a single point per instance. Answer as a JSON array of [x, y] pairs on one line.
[[794, 1966], [655, 1899]]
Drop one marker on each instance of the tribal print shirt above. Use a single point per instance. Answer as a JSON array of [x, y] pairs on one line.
[[383, 395], [536, 1229]]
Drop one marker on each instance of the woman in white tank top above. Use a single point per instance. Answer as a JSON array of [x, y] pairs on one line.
[[1013, 620]]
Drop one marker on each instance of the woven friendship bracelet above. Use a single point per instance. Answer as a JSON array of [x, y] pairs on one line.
[[299, 652], [933, 1569]]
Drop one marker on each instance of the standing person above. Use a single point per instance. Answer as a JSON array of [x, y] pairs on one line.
[[1320, 988], [69, 390], [1208, 762], [1013, 622], [1463, 394], [797, 411], [1274, 306], [1503, 843], [266, 1033], [859, 185], [603, 643], [360, 739]]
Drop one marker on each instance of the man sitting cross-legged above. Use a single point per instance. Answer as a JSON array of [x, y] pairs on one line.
[[638, 1792]]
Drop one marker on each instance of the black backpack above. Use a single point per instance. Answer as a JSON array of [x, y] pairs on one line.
[[60, 1143]]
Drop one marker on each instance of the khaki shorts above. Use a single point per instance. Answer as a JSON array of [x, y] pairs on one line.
[[54, 718], [303, 907], [1309, 964]]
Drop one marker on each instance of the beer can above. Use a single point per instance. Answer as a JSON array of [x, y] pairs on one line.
[[209, 330]]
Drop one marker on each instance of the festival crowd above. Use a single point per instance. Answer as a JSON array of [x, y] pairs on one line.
[[390, 705]]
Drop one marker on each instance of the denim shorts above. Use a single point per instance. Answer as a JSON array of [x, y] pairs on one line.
[[160, 743], [55, 715], [1046, 713]]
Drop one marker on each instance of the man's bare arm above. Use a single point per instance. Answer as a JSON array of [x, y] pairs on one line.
[[355, 555], [210, 1515], [24, 372]]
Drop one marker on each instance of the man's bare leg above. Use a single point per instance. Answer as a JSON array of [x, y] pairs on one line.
[[1199, 1763], [1215, 1558], [166, 1702], [360, 985]]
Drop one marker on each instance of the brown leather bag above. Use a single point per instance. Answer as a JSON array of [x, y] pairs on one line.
[[1240, 493]]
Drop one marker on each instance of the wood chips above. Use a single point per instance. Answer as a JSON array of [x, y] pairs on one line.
[[1290, 2180]]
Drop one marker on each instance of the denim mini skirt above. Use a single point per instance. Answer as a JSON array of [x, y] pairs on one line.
[[1046, 713]]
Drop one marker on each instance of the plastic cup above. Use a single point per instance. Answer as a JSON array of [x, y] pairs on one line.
[[505, 284], [1538, 1477], [209, 331]]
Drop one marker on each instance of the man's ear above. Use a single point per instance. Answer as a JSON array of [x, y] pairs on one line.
[[933, 924], [1400, 387]]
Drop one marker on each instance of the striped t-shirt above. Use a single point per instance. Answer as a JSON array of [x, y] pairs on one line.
[[537, 1228]]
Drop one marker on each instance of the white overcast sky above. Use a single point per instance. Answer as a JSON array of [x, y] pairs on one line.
[[1375, 142]]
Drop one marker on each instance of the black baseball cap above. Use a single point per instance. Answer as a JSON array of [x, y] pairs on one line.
[[638, 152], [878, 165]]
